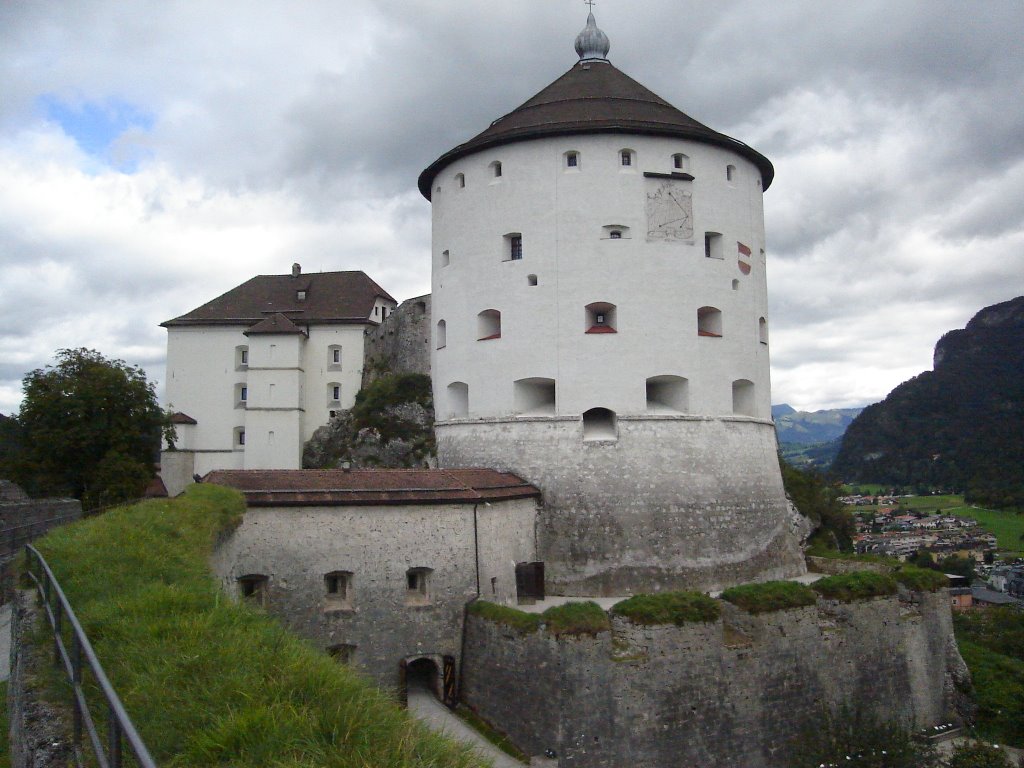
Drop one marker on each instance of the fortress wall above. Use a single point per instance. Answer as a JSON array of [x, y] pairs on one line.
[[23, 521], [401, 342], [675, 502], [295, 547], [733, 692]]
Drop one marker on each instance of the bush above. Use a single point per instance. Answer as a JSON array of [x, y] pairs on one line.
[[920, 579], [508, 617], [978, 756], [850, 739], [677, 608], [770, 596], [576, 619], [862, 585]]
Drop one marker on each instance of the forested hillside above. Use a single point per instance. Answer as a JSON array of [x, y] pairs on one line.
[[958, 426]]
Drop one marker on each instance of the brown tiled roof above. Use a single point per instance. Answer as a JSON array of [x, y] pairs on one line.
[[275, 324], [358, 487], [593, 97], [331, 297], [182, 418]]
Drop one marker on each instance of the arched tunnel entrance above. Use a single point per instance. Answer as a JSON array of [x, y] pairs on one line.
[[429, 676]]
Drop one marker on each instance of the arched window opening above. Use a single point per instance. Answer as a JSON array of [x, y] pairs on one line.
[[334, 357], [534, 397], [626, 157], [743, 397], [446, 258], [458, 400], [488, 325], [713, 245], [709, 322], [334, 394], [680, 162], [615, 232], [343, 653], [442, 334], [668, 394], [599, 318], [572, 159], [599, 424], [460, 180], [730, 173], [762, 330], [253, 588], [531, 279], [241, 357], [496, 169], [338, 591], [417, 586]]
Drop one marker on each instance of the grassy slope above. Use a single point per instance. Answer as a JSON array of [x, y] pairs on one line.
[[210, 682]]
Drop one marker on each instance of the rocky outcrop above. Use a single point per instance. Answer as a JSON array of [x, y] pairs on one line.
[[401, 344], [342, 440]]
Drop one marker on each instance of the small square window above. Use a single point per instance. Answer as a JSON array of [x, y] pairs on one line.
[[417, 586], [253, 588], [300, 295], [338, 591], [572, 160]]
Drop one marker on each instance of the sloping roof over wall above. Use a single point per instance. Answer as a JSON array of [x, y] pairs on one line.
[[594, 97], [330, 297], [360, 487]]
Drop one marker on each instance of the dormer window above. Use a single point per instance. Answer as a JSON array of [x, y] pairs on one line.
[[300, 295]]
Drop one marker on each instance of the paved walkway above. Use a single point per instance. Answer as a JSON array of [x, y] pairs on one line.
[[425, 707]]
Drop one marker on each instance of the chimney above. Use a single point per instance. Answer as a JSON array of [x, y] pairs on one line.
[[296, 269]]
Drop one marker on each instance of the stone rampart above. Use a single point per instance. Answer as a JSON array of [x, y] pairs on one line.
[[25, 520], [401, 344], [835, 567], [734, 692]]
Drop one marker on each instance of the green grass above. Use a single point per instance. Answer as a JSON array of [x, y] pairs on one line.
[[862, 585], [999, 692], [586, 618], [770, 596], [512, 618], [208, 681], [677, 608], [920, 579]]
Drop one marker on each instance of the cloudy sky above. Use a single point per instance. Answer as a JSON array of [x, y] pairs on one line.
[[155, 154]]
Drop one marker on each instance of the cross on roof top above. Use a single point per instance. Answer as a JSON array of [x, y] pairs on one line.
[[590, 3]]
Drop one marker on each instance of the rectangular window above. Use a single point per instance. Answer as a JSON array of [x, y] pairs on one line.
[[336, 393], [245, 357], [335, 355], [627, 158], [241, 437], [243, 394], [515, 247], [572, 159]]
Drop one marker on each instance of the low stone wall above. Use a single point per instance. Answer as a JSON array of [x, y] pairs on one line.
[[23, 521], [834, 567], [734, 692]]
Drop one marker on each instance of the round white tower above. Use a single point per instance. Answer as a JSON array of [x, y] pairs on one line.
[[600, 328]]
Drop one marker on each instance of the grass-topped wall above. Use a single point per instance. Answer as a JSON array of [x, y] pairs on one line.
[[770, 596], [208, 681], [920, 579], [676, 608], [582, 618], [861, 585]]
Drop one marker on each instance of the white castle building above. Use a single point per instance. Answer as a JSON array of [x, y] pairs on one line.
[[600, 329], [255, 371]]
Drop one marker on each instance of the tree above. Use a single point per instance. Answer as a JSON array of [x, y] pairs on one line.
[[90, 428], [978, 756]]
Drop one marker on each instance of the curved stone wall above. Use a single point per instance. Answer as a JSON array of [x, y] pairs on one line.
[[672, 502]]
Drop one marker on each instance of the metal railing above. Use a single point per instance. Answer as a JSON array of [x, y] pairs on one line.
[[108, 752]]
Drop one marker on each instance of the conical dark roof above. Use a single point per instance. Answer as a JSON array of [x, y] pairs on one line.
[[593, 97]]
